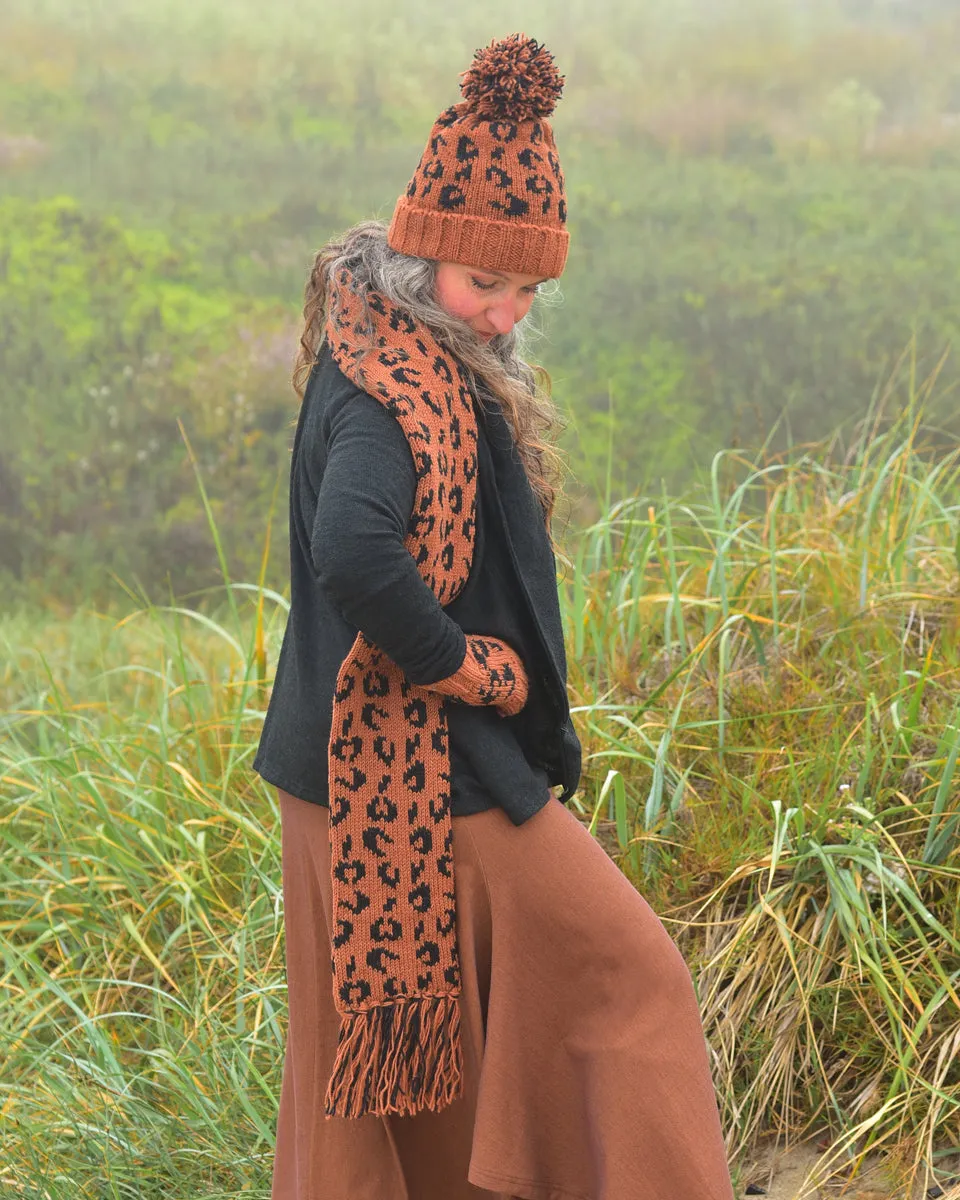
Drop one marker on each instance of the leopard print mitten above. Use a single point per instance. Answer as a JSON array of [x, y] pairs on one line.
[[491, 673]]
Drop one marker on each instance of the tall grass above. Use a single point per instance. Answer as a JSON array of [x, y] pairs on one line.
[[764, 676], [142, 980], [767, 677]]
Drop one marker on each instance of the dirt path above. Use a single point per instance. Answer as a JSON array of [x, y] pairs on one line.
[[783, 1174]]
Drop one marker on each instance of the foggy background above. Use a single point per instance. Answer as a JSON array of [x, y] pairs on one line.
[[763, 209]]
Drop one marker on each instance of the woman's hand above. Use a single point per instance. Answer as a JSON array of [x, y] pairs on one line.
[[491, 673]]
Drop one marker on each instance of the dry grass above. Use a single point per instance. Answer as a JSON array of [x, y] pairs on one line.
[[764, 676], [767, 678]]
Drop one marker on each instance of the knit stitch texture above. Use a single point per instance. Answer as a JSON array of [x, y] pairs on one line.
[[395, 957], [488, 190], [491, 673]]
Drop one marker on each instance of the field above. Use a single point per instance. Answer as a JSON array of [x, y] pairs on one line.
[[762, 199], [764, 677], [753, 350]]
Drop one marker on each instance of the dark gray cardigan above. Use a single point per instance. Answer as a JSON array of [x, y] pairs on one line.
[[352, 489]]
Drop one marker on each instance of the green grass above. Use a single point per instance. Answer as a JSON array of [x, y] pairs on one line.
[[764, 674], [142, 963], [762, 201]]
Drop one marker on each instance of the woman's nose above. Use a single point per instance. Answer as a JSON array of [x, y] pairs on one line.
[[503, 316]]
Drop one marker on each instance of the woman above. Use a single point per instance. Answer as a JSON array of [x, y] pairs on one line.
[[480, 1002]]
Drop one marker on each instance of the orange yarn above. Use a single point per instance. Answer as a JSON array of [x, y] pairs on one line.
[[395, 960], [488, 190]]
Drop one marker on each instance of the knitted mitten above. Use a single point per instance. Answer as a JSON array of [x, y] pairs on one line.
[[491, 673]]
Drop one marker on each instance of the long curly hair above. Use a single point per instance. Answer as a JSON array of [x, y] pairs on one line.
[[494, 368]]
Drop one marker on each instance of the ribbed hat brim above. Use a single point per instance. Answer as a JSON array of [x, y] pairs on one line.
[[478, 241]]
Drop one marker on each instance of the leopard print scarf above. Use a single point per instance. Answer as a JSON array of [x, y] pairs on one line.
[[395, 959]]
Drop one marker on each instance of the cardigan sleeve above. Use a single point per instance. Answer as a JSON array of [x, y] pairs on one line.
[[365, 499]]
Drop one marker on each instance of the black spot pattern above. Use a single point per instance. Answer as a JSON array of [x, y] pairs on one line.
[[389, 746]]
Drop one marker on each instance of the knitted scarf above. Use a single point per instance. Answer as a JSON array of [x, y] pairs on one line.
[[395, 955]]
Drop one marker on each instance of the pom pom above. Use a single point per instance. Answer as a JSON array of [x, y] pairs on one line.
[[514, 79]]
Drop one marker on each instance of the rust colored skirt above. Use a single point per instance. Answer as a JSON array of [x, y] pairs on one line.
[[586, 1074]]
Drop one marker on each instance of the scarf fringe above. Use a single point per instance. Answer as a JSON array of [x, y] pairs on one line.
[[397, 1058]]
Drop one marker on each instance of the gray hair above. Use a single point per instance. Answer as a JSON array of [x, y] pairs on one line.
[[494, 368]]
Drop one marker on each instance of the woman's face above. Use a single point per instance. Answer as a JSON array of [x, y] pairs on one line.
[[490, 302]]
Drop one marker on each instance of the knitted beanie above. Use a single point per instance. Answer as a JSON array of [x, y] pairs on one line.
[[488, 190]]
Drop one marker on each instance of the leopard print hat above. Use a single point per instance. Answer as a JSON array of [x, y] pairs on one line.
[[488, 190]]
